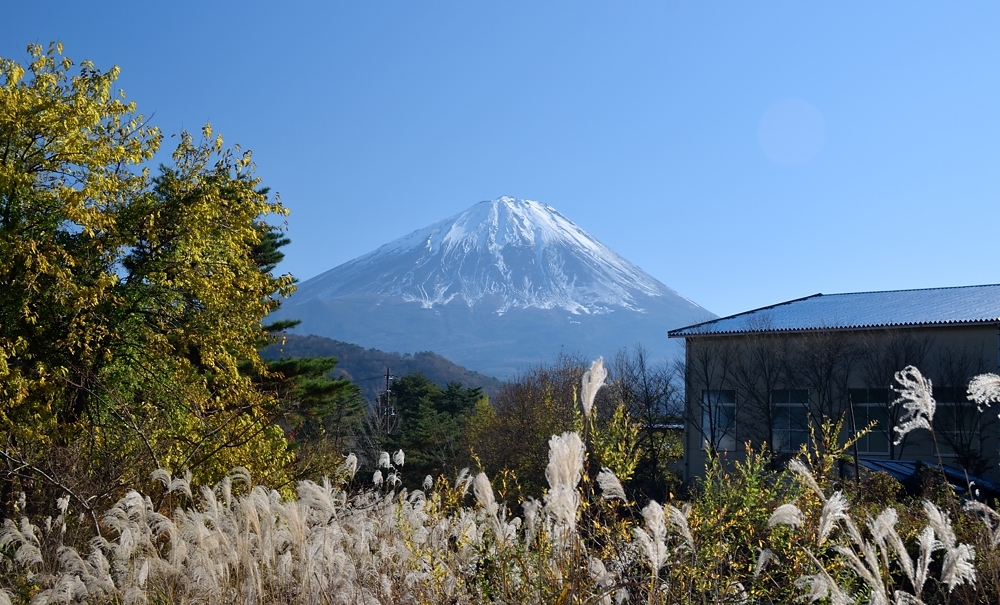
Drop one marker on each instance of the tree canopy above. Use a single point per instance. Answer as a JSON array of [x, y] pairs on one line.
[[431, 427], [132, 299]]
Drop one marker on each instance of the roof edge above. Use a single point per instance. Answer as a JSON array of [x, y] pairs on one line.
[[675, 333], [858, 328]]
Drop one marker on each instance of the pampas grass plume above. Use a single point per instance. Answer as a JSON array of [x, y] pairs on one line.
[[653, 539], [593, 380], [766, 556], [834, 509], [351, 465], [959, 559], [563, 472], [611, 487], [984, 390], [679, 519], [383, 460], [918, 403], [786, 514], [799, 468], [483, 491]]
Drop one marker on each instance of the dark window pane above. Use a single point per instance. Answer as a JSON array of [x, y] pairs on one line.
[[799, 418], [946, 418], [878, 396], [781, 419], [878, 442], [714, 397], [945, 394]]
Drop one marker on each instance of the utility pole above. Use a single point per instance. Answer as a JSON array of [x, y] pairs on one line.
[[387, 411], [388, 377], [854, 434]]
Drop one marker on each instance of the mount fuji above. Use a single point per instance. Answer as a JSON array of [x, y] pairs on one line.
[[503, 285]]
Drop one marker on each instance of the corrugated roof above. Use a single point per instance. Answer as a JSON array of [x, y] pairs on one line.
[[904, 470], [861, 310]]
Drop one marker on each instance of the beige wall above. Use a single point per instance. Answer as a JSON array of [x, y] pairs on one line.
[[828, 365]]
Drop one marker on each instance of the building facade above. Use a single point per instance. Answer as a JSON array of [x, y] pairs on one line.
[[769, 376]]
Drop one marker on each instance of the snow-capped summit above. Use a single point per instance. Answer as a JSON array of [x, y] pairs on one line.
[[505, 254], [506, 283]]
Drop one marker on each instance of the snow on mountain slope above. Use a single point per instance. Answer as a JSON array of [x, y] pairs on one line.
[[506, 284], [503, 254]]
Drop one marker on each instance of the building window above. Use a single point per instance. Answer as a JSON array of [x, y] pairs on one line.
[[956, 419], [871, 405], [791, 419], [718, 419]]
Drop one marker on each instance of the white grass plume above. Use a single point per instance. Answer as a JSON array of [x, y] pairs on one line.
[[653, 539], [915, 395], [67, 589], [985, 390], [350, 467], [922, 565], [593, 380], [532, 509], [173, 484], [566, 456], [834, 509], [822, 585], [383, 460], [990, 518], [602, 578], [564, 470], [25, 540], [679, 519], [799, 468], [611, 487], [483, 491], [888, 542], [959, 559], [786, 514], [463, 480], [766, 556]]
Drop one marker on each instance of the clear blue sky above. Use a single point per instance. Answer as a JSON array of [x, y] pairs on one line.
[[741, 153]]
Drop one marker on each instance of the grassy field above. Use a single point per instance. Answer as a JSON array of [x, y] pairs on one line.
[[747, 534]]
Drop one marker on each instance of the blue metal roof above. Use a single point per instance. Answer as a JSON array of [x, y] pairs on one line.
[[903, 470], [862, 310]]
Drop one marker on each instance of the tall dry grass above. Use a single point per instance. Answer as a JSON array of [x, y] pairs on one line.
[[749, 536]]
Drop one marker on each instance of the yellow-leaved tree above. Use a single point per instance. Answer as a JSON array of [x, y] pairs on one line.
[[131, 302]]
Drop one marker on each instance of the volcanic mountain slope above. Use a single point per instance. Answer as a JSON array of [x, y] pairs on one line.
[[505, 284]]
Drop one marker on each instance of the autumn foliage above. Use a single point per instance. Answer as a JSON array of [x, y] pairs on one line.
[[132, 302]]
